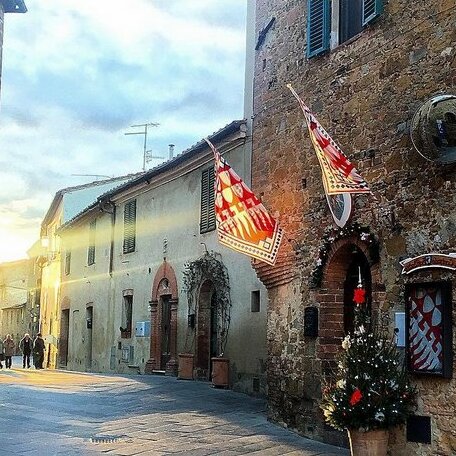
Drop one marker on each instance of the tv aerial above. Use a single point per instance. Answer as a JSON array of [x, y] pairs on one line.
[[147, 154]]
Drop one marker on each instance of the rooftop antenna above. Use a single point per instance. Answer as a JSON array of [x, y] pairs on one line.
[[150, 156], [144, 132]]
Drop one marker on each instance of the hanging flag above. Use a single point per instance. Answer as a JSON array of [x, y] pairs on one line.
[[339, 175], [243, 223]]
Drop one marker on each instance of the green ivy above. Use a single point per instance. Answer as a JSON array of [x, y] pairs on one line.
[[196, 272]]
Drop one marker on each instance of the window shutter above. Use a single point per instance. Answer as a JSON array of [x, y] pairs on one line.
[[371, 9], [67, 263], [207, 221], [129, 243], [317, 26], [91, 250]]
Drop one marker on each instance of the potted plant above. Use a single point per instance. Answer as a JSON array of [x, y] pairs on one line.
[[370, 392]]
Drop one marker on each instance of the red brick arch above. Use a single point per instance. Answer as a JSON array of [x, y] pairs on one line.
[[330, 296], [164, 286], [165, 271]]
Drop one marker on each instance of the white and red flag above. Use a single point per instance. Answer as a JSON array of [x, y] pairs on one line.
[[339, 175], [243, 223]]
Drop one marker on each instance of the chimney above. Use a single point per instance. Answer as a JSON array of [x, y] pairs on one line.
[[171, 151]]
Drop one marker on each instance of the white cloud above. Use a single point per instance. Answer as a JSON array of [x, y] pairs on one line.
[[77, 74]]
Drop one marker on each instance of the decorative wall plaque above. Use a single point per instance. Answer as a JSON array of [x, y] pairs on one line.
[[427, 261]]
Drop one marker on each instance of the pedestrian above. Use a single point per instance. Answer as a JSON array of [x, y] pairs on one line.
[[9, 347], [2, 354], [26, 347], [38, 351]]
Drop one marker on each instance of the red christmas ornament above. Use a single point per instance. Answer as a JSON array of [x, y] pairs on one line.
[[356, 397], [359, 296]]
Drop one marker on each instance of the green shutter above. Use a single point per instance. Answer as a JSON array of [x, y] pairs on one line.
[[318, 26], [67, 263], [129, 242], [91, 249], [371, 9], [207, 219]]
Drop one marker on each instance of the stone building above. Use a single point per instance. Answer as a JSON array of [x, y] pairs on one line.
[[364, 69], [17, 299], [132, 251]]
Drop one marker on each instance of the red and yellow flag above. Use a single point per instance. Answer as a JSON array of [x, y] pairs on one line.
[[339, 175], [243, 223]]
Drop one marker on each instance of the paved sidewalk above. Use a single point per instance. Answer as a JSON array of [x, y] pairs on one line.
[[49, 413]]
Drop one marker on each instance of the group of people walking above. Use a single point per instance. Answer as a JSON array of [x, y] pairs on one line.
[[28, 347]]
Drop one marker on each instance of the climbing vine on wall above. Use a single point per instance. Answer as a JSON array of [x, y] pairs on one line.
[[333, 235], [196, 272]]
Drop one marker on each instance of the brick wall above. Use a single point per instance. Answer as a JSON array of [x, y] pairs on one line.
[[364, 93]]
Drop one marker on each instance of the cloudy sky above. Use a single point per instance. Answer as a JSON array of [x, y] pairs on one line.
[[77, 74]]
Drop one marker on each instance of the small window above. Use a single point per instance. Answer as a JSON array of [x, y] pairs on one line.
[[67, 263], [91, 249], [255, 301], [129, 243], [349, 18], [207, 221], [127, 312], [429, 340]]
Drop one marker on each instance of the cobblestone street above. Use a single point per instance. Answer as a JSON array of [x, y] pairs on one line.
[[62, 413]]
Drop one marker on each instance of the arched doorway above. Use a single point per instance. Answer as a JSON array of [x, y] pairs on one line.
[[348, 259], [207, 337], [163, 314], [358, 272]]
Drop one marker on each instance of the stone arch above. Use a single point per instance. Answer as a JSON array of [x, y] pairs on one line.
[[165, 271], [163, 321], [332, 294]]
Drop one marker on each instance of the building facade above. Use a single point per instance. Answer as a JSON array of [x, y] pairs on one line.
[[17, 299], [365, 69], [65, 205], [148, 273]]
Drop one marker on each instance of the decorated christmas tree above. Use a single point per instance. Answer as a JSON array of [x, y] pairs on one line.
[[370, 389]]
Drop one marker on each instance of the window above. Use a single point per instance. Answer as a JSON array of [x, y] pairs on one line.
[[255, 301], [91, 249], [129, 242], [207, 222], [429, 339], [127, 312], [67, 263], [330, 23]]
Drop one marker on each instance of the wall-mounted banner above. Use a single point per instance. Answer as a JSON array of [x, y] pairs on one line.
[[339, 174], [243, 223], [428, 261]]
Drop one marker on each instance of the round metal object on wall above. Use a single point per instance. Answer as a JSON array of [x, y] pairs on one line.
[[340, 206], [433, 129]]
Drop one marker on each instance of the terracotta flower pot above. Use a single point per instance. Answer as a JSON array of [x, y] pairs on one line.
[[185, 366], [220, 372], [370, 443]]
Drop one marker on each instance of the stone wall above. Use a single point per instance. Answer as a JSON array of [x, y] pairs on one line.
[[364, 93]]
